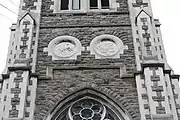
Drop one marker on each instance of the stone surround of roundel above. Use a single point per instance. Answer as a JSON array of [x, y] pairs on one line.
[[64, 47], [107, 46]]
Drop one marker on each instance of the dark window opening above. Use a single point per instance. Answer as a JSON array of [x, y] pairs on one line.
[[160, 47], [24, 42], [9, 61], [105, 4], [137, 32], [76, 4], [157, 31], [93, 4], [156, 48], [162, 57], [137, 40], [64, 4]]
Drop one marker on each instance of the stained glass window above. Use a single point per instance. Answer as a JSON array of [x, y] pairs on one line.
[[88, 109]]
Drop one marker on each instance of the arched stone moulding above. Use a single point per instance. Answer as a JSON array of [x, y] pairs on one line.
[[64, 48], [107, 46], [88, 93]]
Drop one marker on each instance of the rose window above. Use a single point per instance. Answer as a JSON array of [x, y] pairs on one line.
[[87, 109]]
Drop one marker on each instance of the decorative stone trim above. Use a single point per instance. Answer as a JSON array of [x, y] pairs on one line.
[[13, 113], [162, 117], [64, 48], [144, 96], [155, 78], [107, 46]]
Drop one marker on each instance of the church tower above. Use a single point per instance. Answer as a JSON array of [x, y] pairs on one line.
[[87, 60]]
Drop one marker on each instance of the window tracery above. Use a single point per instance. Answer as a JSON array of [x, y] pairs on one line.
[[88, 109]]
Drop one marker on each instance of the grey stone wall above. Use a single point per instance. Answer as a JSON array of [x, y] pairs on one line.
[[85, 27], [29, 5], [102, 77], [85, 35], [66, 82], [85, 20]]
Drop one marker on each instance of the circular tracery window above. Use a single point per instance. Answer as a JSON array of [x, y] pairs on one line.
[[87, 109]]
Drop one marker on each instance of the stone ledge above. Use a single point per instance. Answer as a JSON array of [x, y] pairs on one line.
[[175, 76], [90, 13], [144, 65], [162, 117], [86, 67], [13, 118], [80, 26], [5, 76], [44, 78], [34, 75], [13, 68], [127, 76]]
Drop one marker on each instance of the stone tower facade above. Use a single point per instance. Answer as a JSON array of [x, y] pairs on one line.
[[87, 60]]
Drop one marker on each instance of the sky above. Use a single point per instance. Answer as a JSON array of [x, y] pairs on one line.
[[167, 12]]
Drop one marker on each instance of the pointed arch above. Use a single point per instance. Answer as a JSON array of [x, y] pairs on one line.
[[143, 11], [30, 15], [90, 94]]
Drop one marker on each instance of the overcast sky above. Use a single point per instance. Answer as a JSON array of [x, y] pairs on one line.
[[166, 11]]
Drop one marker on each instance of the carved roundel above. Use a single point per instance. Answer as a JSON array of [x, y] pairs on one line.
[[64, 47], [107, 46]]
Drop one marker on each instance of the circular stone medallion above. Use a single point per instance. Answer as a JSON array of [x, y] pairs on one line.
[[64, 49], [106, 47]]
